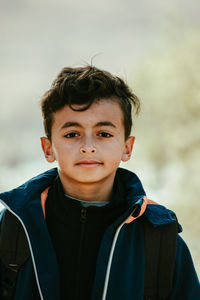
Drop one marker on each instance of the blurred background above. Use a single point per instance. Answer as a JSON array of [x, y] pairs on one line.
[[154, 45]]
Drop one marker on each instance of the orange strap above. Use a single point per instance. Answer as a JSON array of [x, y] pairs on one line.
[[44, 195], [146, 201]]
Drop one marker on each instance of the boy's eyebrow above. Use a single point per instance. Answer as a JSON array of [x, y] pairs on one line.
[[105, 123], [71, 124], [76, 124]]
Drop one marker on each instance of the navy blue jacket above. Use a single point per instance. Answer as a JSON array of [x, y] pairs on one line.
[[120, 264]]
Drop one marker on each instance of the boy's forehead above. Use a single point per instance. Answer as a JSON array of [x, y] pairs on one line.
[[100, 111]]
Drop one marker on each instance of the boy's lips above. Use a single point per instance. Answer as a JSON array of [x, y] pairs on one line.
[[89, 163]]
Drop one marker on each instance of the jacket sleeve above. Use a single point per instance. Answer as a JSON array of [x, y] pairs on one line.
[[186, 285]]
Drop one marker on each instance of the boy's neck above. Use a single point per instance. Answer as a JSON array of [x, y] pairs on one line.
[[100, 191]]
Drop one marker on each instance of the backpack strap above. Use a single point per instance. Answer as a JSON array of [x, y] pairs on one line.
[[160, 255], [14, 251]]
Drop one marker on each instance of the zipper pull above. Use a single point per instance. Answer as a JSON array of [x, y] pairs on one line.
[[83, 217]]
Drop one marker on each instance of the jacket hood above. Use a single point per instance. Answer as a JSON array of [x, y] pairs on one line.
[[29, 190], [19, 197]]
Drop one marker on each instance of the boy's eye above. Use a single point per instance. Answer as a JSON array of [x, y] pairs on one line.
[[71, 135], [105, 134]]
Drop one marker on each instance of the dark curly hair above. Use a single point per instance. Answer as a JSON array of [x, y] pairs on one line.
[[82, 86]]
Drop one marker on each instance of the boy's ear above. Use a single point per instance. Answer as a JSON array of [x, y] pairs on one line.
[[128, 148], [47, 149]]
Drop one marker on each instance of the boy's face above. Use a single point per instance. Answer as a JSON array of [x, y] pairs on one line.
[[88, 145]]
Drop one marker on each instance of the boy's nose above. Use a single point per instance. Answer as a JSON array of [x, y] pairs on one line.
[[87, 149]]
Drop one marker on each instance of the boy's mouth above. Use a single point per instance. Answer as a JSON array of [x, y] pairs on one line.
[[89, 163]]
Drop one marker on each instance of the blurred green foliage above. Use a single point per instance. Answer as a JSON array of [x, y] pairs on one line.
[[168, 130]]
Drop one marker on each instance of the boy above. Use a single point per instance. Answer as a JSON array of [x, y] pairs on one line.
[[84, 221]]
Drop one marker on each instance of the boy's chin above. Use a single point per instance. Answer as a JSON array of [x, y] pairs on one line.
[[90, 177]]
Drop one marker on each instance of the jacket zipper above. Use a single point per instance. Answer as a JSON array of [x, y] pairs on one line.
[[83, 219], [105, 288], [30, 247]]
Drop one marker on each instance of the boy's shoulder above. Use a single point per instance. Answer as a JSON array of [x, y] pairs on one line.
[[31, 188], [159, 215]]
